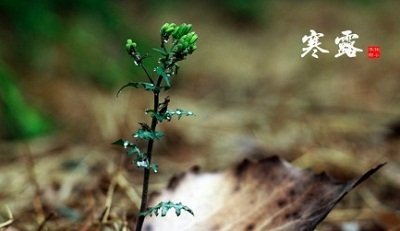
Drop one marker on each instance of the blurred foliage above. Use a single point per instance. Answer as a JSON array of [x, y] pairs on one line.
[[248, 11], [20, 120], [236, 12], [86, 34], [82, 39], [365, 3]]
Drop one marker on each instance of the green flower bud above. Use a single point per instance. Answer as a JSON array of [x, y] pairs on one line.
[[186, 28], [130, 45], [186, 45], [193, 38], [185, 41], [164, 27], [175, 33], [170, 29], [181, 30], [183, 38], [167, 29]]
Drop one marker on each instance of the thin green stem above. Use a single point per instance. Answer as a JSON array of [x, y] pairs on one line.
[[147, 73], [146, 176]]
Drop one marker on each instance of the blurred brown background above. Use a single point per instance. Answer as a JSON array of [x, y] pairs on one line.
[[62, 63]]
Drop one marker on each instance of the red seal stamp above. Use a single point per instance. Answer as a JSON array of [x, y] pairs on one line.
[[374, 52]]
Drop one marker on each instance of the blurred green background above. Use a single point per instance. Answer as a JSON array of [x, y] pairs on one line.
[[61, 63], [82, 41]]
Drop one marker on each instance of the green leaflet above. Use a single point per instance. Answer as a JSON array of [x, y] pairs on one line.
[[122, 142], [161, 51], [180, 112], [160, 71], [169, 114], [145, 86], [131, 148], [164, 207], [148, 134], [158, 116], [143, 162], [141, 159]]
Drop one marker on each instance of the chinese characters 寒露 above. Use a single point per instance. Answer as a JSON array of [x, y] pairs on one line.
[[345, 44]]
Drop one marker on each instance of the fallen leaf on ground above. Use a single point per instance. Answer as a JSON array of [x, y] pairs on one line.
[[269, 194]]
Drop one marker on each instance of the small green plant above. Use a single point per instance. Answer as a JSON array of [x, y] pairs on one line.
[[177, 42]]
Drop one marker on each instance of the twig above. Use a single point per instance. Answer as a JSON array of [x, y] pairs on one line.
[[90, 222], [41, 226], [10, 218], [109, 199], [129, 191], [37, 201]]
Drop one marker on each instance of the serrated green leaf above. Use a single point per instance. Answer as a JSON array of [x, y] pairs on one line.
[[148, 134], [126, 144], [145, 86], [160, 71], [142, 163], [133, 150], [158, 116], [121, 142], [169, 114], [179, 113], [164, 207], [154, 167]]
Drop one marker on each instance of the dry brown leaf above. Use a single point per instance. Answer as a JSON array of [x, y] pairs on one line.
[[269, 194]]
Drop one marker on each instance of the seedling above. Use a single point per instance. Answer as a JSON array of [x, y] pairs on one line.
[[177, 42]]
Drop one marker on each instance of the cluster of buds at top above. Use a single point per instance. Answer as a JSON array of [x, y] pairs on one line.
[[186, 44], [184, 40], [131, 48]]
